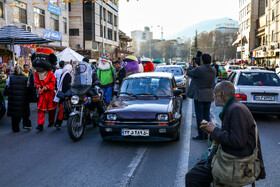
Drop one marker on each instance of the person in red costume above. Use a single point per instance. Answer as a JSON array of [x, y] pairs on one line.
[[45, 85], [148, 65]]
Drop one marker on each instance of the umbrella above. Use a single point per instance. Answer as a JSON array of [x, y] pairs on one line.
[[11, 34], [68, 54], [157, 61]]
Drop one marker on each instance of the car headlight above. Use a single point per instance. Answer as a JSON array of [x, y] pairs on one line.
[[112, 117], [75, 99], [162, 117]]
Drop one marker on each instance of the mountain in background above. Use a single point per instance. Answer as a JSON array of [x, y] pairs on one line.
[[205, 26]]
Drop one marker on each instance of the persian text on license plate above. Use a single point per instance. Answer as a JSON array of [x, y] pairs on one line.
[[135, 132], [264, 98]]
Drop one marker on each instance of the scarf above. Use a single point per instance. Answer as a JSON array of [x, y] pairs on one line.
[[43, 75], [221, 115]]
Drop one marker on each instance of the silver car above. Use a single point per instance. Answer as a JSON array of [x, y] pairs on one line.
[[258, 90]]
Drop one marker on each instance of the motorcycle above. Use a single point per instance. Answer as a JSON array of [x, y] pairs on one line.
[[84, 111]]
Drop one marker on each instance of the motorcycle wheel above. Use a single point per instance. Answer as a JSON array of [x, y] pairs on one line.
[[75, 132]]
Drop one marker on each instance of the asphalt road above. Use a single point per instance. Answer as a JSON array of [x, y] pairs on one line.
[[51, 158]]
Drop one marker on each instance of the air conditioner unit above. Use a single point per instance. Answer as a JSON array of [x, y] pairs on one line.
[[264, 48], [27, 28], [272, 47]]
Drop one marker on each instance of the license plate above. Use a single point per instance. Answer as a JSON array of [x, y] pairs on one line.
[[135, 132], [264, 98]]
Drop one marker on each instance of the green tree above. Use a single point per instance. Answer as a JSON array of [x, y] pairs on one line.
[[195, 45]]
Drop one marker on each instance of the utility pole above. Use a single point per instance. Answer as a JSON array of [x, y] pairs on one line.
[[103, 29]]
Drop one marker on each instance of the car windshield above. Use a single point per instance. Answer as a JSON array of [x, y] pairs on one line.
[[175, 70], [258, 79], [181, 64], [233, 67], [146, 87]]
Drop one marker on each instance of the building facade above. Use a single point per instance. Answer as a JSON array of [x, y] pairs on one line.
[[142, 36], [94, 27], [46, 19]]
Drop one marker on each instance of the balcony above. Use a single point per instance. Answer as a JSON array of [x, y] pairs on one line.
[[261, 26]]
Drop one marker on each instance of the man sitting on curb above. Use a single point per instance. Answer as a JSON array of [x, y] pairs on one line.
[[236, 137]]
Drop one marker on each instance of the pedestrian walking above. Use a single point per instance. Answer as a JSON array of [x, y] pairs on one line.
[[120, 74], [58, 73], [218, 71], [45, 85], [201, 90], [63, 86], [105, 74], [237, 139], [18, 100]]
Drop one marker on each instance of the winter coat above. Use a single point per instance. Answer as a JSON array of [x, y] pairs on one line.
[[237, 136], [18, 100], [201, 87], [106, 77], [120, 75]]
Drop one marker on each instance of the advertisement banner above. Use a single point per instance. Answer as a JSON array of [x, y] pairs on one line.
[[54, 9], [53, 35]]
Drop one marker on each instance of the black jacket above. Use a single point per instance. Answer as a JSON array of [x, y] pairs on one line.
[[237, 136], [18, 96], [66, 83], [120, 75]]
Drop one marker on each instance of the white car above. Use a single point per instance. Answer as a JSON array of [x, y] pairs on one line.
[[231, 68], [255, 68], [258, 90]]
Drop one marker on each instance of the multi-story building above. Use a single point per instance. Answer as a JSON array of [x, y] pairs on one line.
[[268, 45], [248, 15], [94, 27], [45, 18], [142, 36]]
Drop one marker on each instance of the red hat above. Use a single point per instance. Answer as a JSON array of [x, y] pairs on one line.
[[42, 50]]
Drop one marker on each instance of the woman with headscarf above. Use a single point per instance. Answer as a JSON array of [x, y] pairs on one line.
[[63, 86], [18, 100]]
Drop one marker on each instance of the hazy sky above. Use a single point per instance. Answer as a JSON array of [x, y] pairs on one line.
[[173, 15]]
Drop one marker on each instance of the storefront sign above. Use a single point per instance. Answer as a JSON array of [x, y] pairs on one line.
[[53, 35], [54, 9]]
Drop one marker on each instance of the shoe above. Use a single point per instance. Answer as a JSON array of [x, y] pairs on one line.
[[50, 124], [27, 128], [15, 131], [40, 127], [199, 139], [58, 127]]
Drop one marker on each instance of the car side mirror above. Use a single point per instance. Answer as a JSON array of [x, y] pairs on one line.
[[177, 92]]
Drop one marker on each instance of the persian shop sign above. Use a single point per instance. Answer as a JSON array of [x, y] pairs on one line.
[[54, 9], [53, 35]]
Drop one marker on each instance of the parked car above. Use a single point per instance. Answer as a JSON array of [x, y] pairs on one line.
[[223, 74], [183, 64], [143, 110], [180, 77], [255, 68], [277, 70], [258, 90], [231, 68]]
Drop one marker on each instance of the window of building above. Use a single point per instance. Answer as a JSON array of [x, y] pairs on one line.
[[69, 7], [272, 36], [39, 17], [54, 20], [110, 34], [104, 14], [110, 17], [104, 29], [115, 21], [1, 10], [64, 25], [20, 15], [272, 15], [73, 32], [266, 3], [115, 36], [101, 31]]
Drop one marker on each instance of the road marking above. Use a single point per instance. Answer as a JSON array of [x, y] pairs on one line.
[[134, 164], [183, 164]]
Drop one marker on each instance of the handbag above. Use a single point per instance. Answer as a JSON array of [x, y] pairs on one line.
[[33, 95], [233, 171]]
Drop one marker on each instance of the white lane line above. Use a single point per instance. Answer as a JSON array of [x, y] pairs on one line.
[[183, 164], [134, 164]]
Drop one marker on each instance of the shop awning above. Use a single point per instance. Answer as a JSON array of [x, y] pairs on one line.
[[239, 41]]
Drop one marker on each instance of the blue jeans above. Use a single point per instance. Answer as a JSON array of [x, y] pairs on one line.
[[202, 112], [107, 94]]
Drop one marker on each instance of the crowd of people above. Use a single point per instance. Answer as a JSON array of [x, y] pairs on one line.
[[44, 80]]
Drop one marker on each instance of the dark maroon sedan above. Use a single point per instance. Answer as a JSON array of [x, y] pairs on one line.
[[147, 108]]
